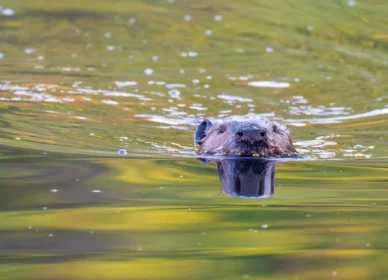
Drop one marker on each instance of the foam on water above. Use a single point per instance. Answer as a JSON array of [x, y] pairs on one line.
[[269, 84]]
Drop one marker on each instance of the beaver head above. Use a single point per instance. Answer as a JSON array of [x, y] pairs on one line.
[[261, 138]]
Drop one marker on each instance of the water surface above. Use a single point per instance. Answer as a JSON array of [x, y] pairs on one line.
[[81, 80]]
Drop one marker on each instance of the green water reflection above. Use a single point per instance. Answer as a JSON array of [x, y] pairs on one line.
[[112, 218]]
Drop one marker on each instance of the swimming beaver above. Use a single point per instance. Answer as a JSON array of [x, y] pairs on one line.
[[259, 138]]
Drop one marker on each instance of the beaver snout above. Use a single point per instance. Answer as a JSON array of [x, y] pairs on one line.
[[251, 135]]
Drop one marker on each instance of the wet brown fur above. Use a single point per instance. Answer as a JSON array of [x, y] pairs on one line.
[[222, 138]]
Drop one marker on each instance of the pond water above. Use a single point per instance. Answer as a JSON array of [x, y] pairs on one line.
[[99, 101]]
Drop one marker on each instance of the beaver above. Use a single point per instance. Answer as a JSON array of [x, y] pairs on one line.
[[257, 138]]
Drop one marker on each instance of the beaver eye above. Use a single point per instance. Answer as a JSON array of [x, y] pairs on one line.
[[222, 129]]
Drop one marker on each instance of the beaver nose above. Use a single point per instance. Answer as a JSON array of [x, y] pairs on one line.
[[251, 134]]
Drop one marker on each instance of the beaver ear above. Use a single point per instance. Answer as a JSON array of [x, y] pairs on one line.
[[200, 133], [280, 128]]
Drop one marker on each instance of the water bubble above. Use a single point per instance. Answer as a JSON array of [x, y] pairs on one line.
[[310, 28], [187, 17], [29, 50], [193, 54], [51, 235], [174, 93], [209, 77], [351, 3], [155, 58], [18, 139], [54, 190], [1, 55], [264, 226], [171, 1], [148, 71], [269, 49], [208, 32], [96, 191], [110, 48], [182, 71], [8, 12], [195, 81], [334, 273], [108, 35], [132, 21], [41, 57], [122, 152], [217, 17]]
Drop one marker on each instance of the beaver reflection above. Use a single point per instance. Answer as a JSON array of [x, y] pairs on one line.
[[247, 178]]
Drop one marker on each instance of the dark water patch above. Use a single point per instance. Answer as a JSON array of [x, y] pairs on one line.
[[52, 73], [70, 14]]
